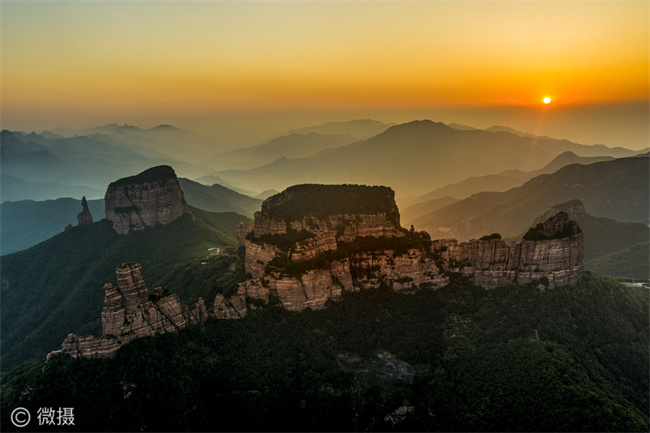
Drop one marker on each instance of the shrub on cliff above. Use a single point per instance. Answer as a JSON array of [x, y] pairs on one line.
[[153, 174], [283, 241], [490, 237]]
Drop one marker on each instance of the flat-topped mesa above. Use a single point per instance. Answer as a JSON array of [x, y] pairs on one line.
[[551, 250], [307, 220], [129, 312], [311, 242], [306, 256], [314, 208], [147, 199]]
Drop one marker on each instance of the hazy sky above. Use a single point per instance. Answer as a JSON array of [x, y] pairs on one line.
[[258, 68]]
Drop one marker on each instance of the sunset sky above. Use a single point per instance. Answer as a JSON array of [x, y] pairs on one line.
[[228, 68]]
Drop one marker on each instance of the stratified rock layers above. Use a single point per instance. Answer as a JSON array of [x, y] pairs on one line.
[[285, 229], [149, 198], [493, 263], [129, 312], [306, 260]]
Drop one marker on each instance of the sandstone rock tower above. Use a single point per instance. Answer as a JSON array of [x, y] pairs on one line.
[[130, 312], [149, 198], [84, 217]]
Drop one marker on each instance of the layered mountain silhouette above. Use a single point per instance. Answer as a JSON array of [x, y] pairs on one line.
[[14, 189], [293, 145], [26, 223], [218, 198], [608, 189], [414, 158], [359, 129], [418, 206], [62, 165]]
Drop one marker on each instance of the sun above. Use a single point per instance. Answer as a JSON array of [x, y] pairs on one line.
[[547, 100]]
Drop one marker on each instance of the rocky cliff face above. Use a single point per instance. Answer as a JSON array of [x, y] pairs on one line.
[[130, 312], [552, 250], [149, 198], [305, 260], [306, 246], [308, 220]]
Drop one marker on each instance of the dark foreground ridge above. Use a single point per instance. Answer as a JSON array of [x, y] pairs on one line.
[[460, 358]]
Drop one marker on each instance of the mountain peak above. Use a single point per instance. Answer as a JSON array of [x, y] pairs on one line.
[[568, 158], [416, 126], [146, 199], [164, 127]]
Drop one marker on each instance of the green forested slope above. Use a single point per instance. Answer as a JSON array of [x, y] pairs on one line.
[[217, 198], [457, 359], [631, 262], [615, 189], [56, 287]]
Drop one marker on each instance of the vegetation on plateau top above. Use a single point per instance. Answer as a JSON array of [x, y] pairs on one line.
[[152, 174], [321, 201]]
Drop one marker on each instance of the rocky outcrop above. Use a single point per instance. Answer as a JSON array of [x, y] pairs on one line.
[[552, 250], [241, 235], [408, 270], [307, 259], [309, 220], [257, 257], [130, 312], [147, 199], [306, 255], [233, 307], [84, 217]]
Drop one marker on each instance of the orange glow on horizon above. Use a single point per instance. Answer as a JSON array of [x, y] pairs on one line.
[[70, 57]]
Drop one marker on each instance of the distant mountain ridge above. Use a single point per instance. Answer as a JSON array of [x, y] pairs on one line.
[[416, 206], [499, 128], [25, 223], [359, 129], [294, 145], [414, 158], [14, 189], [91, 161], [608, 189], [218, 198]]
